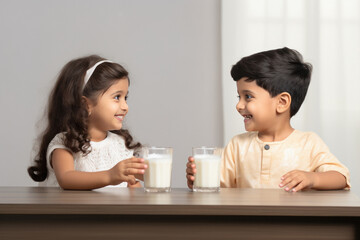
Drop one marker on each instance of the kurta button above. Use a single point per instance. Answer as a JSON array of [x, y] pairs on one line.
[[267, 147]]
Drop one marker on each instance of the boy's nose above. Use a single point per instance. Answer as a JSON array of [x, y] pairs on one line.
[[240, 106]]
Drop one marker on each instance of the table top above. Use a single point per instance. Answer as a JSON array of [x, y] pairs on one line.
[[180, 201]]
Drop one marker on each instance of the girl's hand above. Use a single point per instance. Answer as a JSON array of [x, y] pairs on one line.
[[190, 171], [297, 180], [136, 185], [125, 170]]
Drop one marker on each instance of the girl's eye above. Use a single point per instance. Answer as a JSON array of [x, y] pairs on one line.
[[238, 97], [117, 97]]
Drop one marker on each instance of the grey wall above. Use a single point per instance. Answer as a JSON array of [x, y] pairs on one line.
[[171, 49]]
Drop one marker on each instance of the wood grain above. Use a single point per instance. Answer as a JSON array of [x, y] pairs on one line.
[[121, 213], [239, 202]]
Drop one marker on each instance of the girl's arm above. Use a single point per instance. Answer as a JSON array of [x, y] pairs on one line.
[[63, 165]]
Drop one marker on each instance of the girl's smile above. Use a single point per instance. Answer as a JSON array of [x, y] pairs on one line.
[[120, 117], [109, 111]]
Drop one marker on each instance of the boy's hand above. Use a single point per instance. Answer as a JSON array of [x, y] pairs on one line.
[[125, 170], [190, 171], [297, 180]]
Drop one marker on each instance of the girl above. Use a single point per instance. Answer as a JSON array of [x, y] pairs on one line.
[[83, 146]]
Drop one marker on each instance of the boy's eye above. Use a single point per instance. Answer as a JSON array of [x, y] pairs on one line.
[[247, 96], [126, 97], [238, 96]]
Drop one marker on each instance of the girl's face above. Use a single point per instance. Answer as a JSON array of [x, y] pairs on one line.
[[256, 106], [111, 108]]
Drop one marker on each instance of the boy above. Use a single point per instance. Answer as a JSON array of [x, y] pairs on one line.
[[272, 86]]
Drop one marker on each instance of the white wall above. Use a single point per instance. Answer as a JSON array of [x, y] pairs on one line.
[[171, 49], [327, 33]]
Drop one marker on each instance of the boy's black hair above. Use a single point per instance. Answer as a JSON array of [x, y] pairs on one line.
[[277, 71]]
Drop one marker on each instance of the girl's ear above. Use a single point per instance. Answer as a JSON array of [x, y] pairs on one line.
[[87, 102], [284, 102]]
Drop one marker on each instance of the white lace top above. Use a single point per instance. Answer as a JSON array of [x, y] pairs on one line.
[[103, 156]]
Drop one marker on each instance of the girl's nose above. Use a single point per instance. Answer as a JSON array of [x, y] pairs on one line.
[[124, 105]]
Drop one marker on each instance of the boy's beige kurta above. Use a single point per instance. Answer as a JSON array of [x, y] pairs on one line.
[[248, 162]]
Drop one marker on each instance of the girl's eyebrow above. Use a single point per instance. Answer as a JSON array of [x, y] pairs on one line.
[[119, 92]]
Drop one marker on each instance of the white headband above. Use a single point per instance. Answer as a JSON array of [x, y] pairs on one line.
[[91, 70]]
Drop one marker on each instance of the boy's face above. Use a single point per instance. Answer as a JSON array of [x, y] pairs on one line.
[[256, 106]]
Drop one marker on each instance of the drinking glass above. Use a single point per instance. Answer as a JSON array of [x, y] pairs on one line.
[[157, 177], [207, 161]]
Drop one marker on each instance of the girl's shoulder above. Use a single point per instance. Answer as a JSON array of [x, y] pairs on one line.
[[55, 143], [111, 140], [114, 138], [58, 139], [113, 145]]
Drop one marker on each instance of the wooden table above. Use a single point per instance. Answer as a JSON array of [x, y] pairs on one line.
[[121, 213]]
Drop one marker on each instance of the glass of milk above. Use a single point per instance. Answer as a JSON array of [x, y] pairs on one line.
[[207, 176], [157, 177]]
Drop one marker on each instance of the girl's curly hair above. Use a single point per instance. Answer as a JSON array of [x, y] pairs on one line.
[[67, 110]]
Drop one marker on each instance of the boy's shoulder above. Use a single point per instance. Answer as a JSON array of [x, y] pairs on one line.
[[306, 136], [297, 136], [244, 137]]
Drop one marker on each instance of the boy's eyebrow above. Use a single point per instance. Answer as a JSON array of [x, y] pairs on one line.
[[247, 91]]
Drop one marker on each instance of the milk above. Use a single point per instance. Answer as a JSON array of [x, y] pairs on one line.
[[207, 176], [157, 176]]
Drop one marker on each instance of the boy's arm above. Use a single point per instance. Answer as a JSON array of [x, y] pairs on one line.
[[329, 180], [297, 180], [326, 171], [190, 171], [326, 164]]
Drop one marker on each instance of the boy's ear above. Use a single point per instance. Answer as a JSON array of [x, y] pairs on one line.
[[284, 102], [87, 103]]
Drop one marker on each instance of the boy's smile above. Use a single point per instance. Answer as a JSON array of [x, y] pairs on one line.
[[247, 118], [256, 106]]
